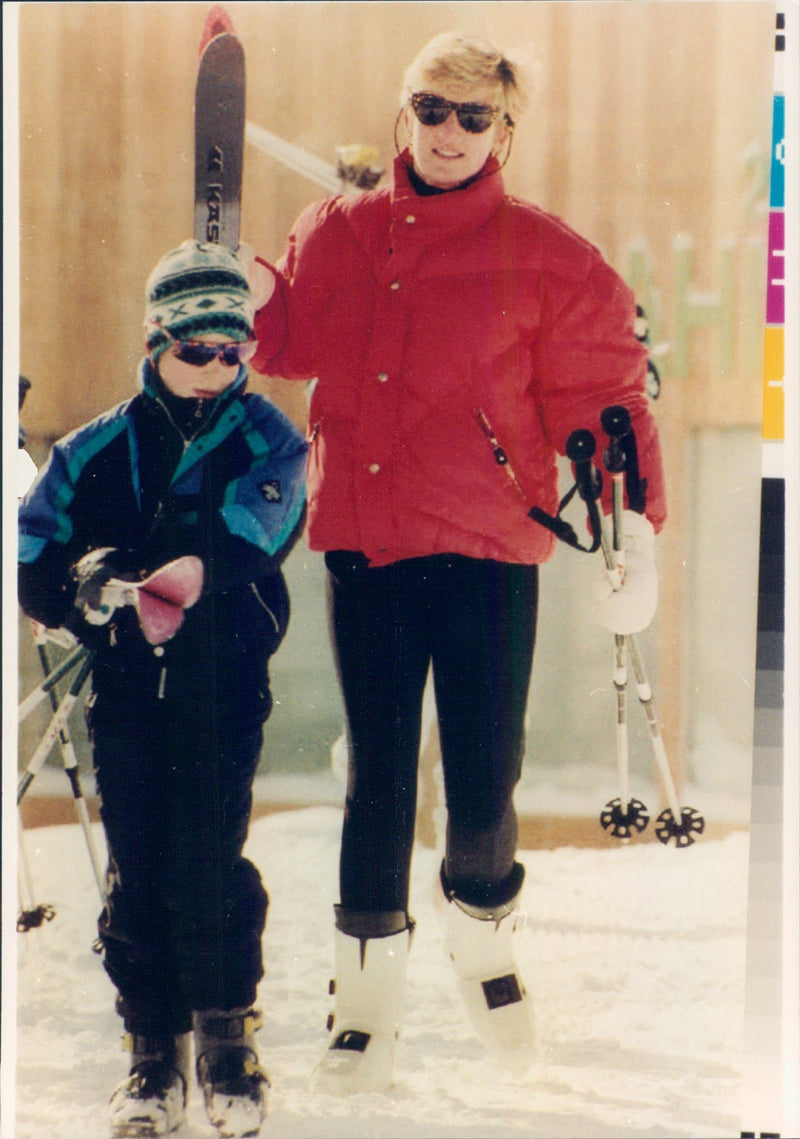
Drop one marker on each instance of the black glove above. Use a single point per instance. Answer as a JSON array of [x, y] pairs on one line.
[[92, 637], [96, 598]]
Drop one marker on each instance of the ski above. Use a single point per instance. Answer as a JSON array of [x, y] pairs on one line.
[[219, 121]]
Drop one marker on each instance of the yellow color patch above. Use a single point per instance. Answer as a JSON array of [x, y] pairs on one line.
[[773, 424]]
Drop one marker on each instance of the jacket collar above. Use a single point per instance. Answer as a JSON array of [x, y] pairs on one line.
[[456, 210], [227, 411]]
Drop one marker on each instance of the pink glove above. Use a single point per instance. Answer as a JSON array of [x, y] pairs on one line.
[[631, 608]]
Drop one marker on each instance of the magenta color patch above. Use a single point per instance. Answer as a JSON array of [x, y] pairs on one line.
[[776, 270]]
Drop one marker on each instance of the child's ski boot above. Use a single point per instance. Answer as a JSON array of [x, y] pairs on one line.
[[152, 1099], [235, 1087]]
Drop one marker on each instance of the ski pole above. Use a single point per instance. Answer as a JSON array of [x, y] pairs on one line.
[[34, 698], [673, 822], [30, 915], [622, 815], [614, 461], [616, 422], [55, 726], [71, 770]]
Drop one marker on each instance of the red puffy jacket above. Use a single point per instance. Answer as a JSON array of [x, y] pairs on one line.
[[412, 312]]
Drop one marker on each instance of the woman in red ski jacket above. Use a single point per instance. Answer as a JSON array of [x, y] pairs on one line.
[[413, 312], [432, 313]]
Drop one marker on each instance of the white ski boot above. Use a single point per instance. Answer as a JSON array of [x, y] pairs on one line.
[[235, 1087], [151, 1101], [369, 992], [479, 943]]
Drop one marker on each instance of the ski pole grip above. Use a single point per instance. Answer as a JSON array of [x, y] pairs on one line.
[[616, 422], [580, 450]]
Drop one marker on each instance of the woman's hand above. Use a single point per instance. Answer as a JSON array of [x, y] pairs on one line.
[[262, 282]]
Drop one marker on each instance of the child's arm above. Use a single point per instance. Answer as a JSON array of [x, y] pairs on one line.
[[45, 588]]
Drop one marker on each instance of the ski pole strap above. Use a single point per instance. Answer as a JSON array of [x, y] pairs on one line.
[[562, 529], [588, 481], [580, 448]]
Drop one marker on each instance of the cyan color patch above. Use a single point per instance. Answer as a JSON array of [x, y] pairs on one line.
[[777, 181]]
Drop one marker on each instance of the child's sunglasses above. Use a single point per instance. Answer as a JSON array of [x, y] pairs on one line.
[[198, 354], [433, 110]]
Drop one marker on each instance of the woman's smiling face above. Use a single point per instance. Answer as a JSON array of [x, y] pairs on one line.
[[446, 155]]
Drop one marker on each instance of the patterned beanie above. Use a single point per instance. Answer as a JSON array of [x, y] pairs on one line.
[[196, 290]]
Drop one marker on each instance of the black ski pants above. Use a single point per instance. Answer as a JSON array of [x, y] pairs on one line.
[[474, 623], [182, 929]]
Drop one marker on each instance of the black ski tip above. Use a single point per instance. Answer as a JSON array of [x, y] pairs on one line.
[[217, 23]]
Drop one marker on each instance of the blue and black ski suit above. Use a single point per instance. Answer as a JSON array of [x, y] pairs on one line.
[[176, 729]]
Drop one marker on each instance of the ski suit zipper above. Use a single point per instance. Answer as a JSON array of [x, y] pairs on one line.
[[185, 441], [265, 607]]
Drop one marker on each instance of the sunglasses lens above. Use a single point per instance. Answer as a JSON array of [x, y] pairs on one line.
[[198, 355], [430, 110], [230, 354], [476, 121]]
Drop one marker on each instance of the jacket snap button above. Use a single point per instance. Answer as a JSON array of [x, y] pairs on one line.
[[410, 219], [395, 285], [383, 377], [374, 468]]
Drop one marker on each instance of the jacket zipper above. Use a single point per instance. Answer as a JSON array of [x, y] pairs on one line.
[[500, 455]]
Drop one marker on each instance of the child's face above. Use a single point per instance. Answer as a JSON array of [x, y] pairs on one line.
[[188, 381]]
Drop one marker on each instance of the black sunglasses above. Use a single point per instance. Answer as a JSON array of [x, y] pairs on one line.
[[198, 354], [433, 110]]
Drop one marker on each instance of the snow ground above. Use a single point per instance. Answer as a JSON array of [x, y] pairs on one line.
[[635, 958]]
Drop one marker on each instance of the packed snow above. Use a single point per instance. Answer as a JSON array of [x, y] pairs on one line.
[[635, 957]]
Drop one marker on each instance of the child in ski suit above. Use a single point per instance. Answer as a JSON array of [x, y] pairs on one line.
[[416, 306], [191, 465]]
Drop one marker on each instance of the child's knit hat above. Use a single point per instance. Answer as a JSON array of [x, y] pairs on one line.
[[195, 290]]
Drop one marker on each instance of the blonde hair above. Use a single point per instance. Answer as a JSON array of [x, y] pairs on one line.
[[456, 59]]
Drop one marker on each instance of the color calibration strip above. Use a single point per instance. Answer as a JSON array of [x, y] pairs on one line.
[[770, 1076]]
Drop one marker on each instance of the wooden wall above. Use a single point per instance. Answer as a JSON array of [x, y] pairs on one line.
[[649, 133]]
